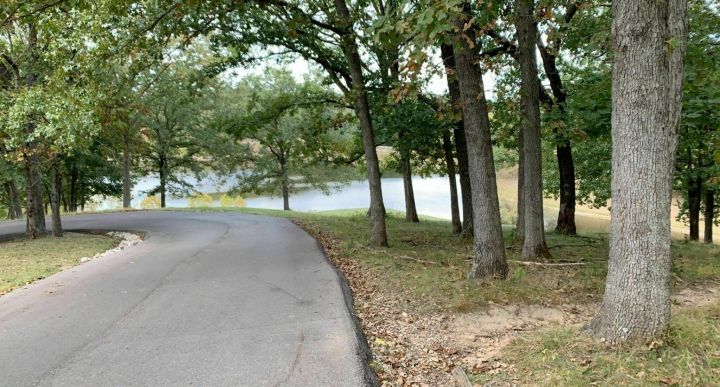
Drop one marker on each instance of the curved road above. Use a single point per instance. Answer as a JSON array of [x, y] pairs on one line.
[[207, 299]]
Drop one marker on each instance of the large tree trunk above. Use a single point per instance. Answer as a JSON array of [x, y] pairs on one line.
[[519, 237], [460, 143], [450, 165], [378, 234], [489, 250], [57, 229], [694, 197], [35, 225], [646, 101], [566, 166], [709, 215], [410, 210], [534, 246], [285, 186], [127, 184]]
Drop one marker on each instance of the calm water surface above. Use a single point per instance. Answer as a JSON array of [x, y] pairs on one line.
[[432, 196]]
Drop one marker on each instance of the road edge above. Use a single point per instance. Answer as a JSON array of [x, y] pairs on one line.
[[362, 346]]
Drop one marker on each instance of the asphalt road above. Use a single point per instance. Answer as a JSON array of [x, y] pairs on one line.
[[207, 299]]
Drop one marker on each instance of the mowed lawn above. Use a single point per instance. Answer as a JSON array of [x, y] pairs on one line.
[[23, 261]]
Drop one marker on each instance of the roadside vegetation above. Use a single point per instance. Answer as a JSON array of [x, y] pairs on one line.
[[423, 274], [26, 260]]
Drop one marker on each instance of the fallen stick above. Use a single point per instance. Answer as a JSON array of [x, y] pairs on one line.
[[530, 263], [414, 259]]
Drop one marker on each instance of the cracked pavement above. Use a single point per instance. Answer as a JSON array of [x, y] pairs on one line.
[[206, 299]]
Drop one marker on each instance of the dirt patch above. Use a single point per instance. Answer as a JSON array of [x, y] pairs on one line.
[[697, 296]]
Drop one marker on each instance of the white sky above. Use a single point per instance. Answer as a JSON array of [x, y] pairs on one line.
[[300, 68]]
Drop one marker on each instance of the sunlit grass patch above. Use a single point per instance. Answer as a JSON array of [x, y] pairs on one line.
[[23, 260]]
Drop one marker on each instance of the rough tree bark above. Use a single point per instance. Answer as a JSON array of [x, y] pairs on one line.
[[649, 43], [35, 212], [694, 198], [489, 250], [460, 143], [378, 233], [519, 237], [55, 177], [450, 165], [534, 246], [126, 189], [709, 215]]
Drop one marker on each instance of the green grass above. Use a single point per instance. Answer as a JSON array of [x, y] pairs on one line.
[[688, 355], [427, 264], [23, 261]]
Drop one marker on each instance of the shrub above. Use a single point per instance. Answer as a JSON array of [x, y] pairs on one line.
[[200, 200], [232, 201], [150, 202]]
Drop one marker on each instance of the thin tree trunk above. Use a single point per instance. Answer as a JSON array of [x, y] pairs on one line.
[[163, 184], [57, 230], [450, 165], [126, 190], [489, 250], [410, 210], [73, 188], [10, 206], [519, 237], [15, 207], [285, 186], [694, 197], [534, 246], [709, 215], [646, 101], [460, 143], [378, 233], [566, 165], [563, 147]]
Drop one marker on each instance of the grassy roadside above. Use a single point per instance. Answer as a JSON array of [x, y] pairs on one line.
[[23, 261], [424, 270]]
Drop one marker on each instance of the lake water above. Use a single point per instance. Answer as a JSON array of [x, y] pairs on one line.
[[432, 196]]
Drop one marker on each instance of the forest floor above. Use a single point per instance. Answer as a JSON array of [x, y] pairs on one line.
[[23, 261], [428, 325]]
